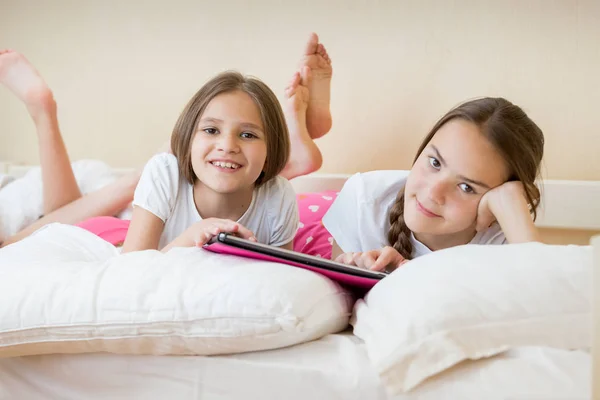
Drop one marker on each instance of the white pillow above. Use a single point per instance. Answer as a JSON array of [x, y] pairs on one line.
[[64, 290], [21, 202], [471, 302]]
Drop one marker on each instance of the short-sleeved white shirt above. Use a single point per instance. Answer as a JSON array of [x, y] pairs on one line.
[[358, 218], [272, 215]]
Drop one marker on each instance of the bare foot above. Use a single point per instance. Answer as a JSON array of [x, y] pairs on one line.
[[305, 156], [18, 75], [318, 116]]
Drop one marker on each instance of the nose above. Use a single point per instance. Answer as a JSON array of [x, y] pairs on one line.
[[437, 191], [228, 142]]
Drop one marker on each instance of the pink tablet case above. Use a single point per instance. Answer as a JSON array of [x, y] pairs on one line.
[[345, 279]]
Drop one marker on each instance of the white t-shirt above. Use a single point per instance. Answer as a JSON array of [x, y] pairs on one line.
[[358, 218], [272, 215]]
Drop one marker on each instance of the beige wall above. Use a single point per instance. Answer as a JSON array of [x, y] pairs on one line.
[[122, 70]]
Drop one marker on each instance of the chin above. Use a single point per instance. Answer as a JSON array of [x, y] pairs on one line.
[[419, 224], [224, 189], [413, 222]]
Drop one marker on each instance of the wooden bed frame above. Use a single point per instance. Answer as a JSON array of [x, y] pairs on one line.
[[565, 205]]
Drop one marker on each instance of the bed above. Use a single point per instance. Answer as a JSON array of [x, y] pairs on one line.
[[336, 366]]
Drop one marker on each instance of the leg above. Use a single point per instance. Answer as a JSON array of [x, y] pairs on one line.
[[108, 200], [18, 75], [318, 115], [305, 156]]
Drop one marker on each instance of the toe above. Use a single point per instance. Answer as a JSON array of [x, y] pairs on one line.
[[312, 44], [295, 80]]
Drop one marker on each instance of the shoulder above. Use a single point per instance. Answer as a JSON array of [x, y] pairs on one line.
[[277, 198], [374, 185], [275, 212], [161, 170], [276, 188], [161, 173], [163, 161], [158, 187]]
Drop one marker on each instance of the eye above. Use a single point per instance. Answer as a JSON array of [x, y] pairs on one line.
[[434, 162], [466, 188], [210, 131], [248, 135]]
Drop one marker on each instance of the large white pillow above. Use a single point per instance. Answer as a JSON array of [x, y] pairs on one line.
[[471, 302], [64, 290]]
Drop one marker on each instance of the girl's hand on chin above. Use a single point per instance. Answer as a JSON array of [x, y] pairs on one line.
[[495, 200]]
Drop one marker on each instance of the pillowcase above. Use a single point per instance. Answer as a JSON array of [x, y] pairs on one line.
[[312, 237], [5, 180], [471, 302], [65, 290]]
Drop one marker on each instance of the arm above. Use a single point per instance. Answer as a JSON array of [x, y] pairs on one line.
[[288, 246], [202, 232], [108, 200], [385, 259], [378, 260], [336, 251], [507, 205], [183, 240], [144, 231], [153, 203], [146, 228]]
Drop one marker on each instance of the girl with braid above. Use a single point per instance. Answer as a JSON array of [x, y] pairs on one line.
[[473, 181]]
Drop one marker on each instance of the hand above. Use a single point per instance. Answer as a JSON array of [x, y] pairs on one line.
[[376, 260], [201, 232], [496, 198]]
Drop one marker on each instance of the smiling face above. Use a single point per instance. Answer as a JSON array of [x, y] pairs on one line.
[[456, 168], [229, 149]]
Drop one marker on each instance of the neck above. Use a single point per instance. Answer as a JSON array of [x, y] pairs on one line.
[[211, 204], [439, 242]]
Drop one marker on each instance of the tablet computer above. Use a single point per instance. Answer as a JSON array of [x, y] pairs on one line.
[[227, 243]]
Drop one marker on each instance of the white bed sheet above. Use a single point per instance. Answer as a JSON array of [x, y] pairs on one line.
[[335, 367]]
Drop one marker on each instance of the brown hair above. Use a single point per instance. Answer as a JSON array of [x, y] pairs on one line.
[[514, 135], [273, 120]]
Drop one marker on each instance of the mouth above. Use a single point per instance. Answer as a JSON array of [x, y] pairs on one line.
[[225, 165], [425, 211]]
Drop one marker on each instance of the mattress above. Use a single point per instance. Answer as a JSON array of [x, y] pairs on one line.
[[334, 367]]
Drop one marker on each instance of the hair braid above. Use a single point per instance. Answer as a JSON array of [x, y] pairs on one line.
[[399, 234]]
